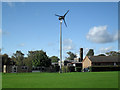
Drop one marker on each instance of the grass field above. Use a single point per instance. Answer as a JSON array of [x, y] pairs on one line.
[[64, 80]]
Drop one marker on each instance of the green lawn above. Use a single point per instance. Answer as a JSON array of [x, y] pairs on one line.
[[64, 80]]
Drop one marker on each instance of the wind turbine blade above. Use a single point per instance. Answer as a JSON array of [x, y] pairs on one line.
[[57, 15], [66, 13], [65, 22]]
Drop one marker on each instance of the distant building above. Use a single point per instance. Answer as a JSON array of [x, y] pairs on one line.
[[16, 69], [76, 64], [102, 63], [54, 63]]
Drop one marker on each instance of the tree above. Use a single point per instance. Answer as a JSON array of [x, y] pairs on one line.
[[90, 52], [54, 59], [39, 58], [101, 55], [6, 60], [18, 58], [28, 62], [113, 53], [71, 56]]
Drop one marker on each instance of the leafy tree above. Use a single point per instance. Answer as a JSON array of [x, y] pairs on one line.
[[39, 58], [28, 62], [113, 53], [101, 55], [6, 60], [18, 58], [90, 52], [71, 56], [54, 59]]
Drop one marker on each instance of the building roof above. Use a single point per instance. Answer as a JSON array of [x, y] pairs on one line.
[[104, 58], [54, 63], [69, 60]]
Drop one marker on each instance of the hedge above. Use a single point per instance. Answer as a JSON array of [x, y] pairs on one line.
[[104, 68]]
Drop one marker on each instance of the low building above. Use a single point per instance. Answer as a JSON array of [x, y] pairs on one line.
[[73, 65], [54, 63], [55, 67], [15, 69], [66, 62], [101, 63]]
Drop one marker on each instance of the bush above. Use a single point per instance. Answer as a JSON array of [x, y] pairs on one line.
[[82, 70], [68, 69], [64, 69], [71, 69], [105, 68], [90, 69], [57, 68], [78, 69]]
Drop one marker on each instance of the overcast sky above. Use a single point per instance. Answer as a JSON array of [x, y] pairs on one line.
[[34, 26]]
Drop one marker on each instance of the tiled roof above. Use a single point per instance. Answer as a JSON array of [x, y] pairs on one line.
[[104, 58]]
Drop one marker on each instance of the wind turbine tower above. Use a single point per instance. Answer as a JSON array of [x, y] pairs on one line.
[[61, 18]]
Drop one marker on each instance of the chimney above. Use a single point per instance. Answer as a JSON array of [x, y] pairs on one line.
[[81, 54]]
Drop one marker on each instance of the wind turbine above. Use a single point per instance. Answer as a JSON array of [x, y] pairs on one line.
[[61, 18]]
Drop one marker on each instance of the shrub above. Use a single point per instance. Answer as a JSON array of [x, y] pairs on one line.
[[105, 68], [71, 68], [90, 69], [64, 69], [78, 69]]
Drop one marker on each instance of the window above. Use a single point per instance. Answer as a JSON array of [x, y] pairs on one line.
[[24, 67], [114, 64]]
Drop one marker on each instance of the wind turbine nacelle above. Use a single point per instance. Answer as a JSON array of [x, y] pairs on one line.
[[61, 17]]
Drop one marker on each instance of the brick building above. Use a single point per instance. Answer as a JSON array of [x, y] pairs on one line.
[[103, 63]]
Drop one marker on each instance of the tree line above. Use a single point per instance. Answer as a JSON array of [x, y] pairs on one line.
[[34, 58], [40, 58]]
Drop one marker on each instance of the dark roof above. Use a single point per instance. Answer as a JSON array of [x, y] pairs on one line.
[[104, 58]]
